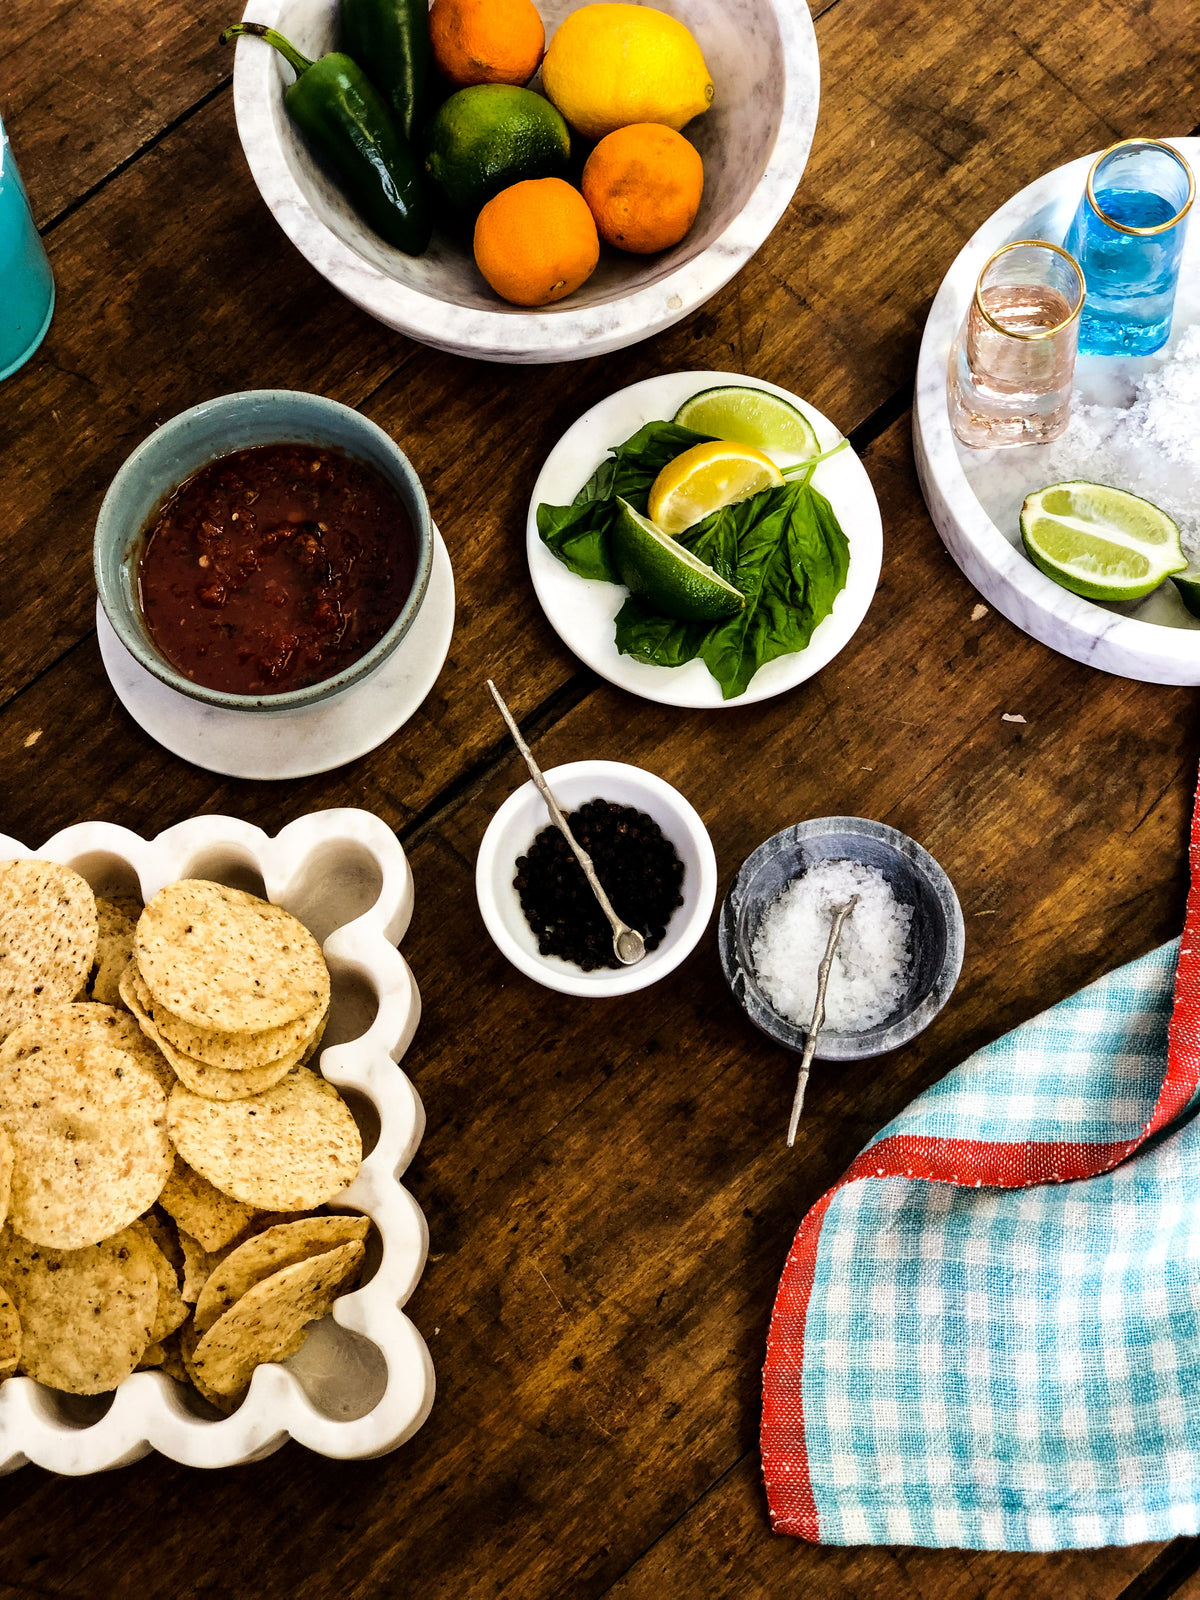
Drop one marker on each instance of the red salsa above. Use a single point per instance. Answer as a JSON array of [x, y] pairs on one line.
[[275, 568]]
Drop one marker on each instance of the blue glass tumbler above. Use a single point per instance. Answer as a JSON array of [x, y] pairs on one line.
[[1127, 235], [26, 282]]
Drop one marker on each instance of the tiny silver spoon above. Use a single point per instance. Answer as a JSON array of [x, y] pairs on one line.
[[839, 913], [628, 945]]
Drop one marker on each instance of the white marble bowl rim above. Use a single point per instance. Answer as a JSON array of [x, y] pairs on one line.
[[149, 1411], [567, 333], [523, 815], [1001, 572]]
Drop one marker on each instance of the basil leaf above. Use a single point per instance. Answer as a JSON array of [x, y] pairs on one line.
[[662, 641], [578, 536]]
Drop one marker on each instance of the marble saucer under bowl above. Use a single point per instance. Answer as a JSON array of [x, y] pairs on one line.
[[754, 142], [974, 496], [936, 939]]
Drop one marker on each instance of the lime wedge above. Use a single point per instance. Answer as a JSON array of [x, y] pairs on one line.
[[1102, 543], [749, 416], [671, 578], [1188, 584]]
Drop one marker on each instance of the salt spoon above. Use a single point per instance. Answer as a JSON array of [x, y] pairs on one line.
[[628, 945], [839, 913]]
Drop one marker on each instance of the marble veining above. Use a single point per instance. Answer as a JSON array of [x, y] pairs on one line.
[[363, 1383], [1109, 639], [755, 142]]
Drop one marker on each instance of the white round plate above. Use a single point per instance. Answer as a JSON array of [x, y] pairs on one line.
[[293, 744], [582, 610], [974, 496]]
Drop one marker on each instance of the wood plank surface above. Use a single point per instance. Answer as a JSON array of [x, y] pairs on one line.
[[609, 1196]]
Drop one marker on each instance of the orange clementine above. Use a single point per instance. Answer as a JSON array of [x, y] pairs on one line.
[[536, 242], [643, 185], [486, 41]]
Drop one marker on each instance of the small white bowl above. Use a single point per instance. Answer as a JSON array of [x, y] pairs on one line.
[[754, 142], [523, 815]]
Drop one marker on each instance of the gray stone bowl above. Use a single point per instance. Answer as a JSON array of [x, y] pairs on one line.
[[916, 880], [177, 450]]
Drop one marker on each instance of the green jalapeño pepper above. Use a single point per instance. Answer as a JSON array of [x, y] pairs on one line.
[[347, 123], [391, 39]]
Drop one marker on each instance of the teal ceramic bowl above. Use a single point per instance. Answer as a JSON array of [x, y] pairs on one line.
[[190, 441]]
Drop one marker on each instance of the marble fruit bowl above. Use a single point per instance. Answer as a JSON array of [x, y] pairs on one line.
[[363, 1381], [755, 141], [974, 496]]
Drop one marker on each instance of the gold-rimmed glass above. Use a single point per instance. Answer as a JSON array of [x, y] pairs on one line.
[[1128, 233], [1012, 365]]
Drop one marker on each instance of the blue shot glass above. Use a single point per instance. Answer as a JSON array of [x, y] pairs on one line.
[[26, 282], [1127, 235]]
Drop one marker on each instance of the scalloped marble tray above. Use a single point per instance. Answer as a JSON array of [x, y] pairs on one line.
[[363, 1382], [1153, 640]]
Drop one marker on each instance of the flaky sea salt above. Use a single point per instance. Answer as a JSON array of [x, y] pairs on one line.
[[869, 975], [1150, 447]]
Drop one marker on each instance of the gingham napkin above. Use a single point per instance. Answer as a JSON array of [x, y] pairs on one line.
[[988, 1333]]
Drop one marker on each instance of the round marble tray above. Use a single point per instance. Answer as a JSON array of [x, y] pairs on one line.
[[582, 610], [293, 744], [965, 490]]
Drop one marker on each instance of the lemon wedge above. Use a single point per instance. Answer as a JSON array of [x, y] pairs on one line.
[[705, 478]]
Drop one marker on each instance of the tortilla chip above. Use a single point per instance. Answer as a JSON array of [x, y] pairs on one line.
[[291, 1149], [198, 1265], [6, 1166], [114, 946], [90, 1152], [238, 1051], [188, 1340], [214, 1083], [212, 1218], [85, 1314], [48, 930], [152, 1356], [172, 1309], [266, 1253], [83, 1021], [227, 961], [10, 1336], [163, 1231], [172, 1361], [270, 1321]]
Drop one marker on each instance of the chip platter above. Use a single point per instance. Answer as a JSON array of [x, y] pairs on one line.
[[364, 1382]]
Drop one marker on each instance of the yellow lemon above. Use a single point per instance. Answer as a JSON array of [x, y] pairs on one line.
[[705, 478], [612, 65]]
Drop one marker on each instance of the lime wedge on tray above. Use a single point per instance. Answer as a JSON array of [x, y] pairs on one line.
[[749, 416], [1188, 584], [672, 579], [1099, 542]]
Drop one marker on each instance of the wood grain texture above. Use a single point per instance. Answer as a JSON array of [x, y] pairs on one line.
[[609, 1195]]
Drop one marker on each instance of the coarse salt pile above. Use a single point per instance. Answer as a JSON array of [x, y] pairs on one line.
[[1150, 447], [869, 975]]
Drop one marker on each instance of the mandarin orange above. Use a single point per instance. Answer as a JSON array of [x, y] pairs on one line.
[[643, 185], [486, 41], [536, 242]]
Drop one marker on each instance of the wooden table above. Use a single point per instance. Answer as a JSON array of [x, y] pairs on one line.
[[608, 1192]]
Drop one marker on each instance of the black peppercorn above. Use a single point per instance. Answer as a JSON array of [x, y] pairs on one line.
[[639, 868]]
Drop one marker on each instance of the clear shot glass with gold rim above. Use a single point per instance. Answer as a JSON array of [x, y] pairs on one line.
[[1127, 235], [1011, 367]]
